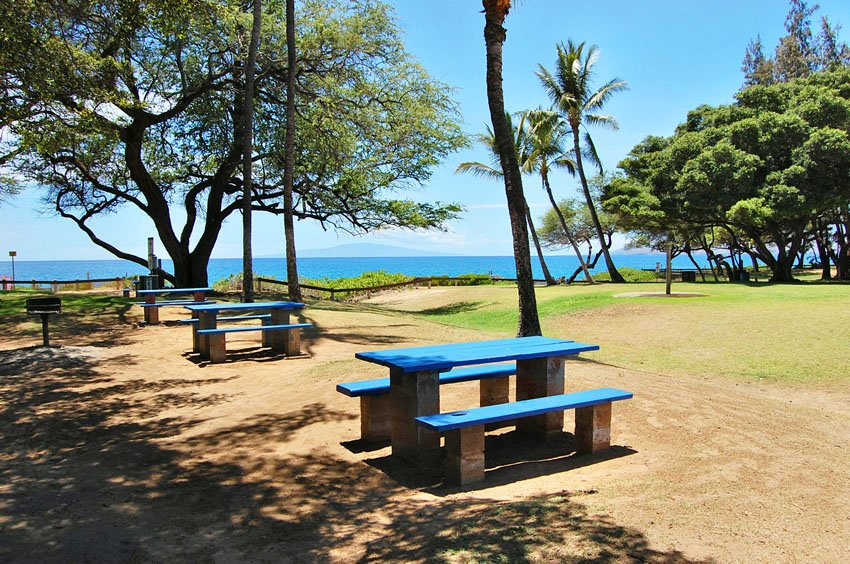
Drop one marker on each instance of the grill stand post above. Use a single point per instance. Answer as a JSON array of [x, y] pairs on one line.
[[44, 333]]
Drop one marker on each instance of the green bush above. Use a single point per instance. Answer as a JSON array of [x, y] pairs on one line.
[[630, 274]]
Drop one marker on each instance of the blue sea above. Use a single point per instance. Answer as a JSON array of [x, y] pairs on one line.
[[317, 268]]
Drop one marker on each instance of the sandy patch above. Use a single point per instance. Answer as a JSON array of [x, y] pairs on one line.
[[137, 452]]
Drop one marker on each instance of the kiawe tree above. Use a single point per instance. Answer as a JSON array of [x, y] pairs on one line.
[[115, 104], [765, 169], [571, 91]]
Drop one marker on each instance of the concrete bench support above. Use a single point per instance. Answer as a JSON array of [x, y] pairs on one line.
[[464, 430], [593, 428]]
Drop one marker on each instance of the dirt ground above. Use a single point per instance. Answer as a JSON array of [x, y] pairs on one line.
[[122, 446]]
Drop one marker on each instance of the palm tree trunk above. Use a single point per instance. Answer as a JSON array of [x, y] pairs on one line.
[[609, 263], [566, 229], [495, 12], [546, 274], [247, 157], [289, 158]]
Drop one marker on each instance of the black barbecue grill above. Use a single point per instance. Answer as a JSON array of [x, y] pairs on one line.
[[44, 307]]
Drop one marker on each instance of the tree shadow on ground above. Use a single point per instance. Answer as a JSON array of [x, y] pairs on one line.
[[451, 309], [84, 320], [92, 470]]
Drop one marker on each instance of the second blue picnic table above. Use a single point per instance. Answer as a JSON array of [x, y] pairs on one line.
[[207, 315], [415, 388]]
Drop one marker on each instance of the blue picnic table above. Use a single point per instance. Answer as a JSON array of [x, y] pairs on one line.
[[151, 306], [415, 386], [278, 316]]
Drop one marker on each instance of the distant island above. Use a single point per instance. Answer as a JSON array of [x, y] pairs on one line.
[[359, 250]]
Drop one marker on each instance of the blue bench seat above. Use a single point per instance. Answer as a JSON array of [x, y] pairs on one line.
[[464, 429], [174, 303], [375, 394], [194, 320], [380, 386], [218, 348]]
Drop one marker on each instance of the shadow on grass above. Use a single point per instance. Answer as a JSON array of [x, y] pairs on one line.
[[451, 309], [99, 469]]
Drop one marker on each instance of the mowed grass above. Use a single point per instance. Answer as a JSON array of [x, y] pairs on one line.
[[792, 333], [788, 333]]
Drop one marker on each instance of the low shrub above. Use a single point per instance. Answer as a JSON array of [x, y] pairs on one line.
[[630, 274]]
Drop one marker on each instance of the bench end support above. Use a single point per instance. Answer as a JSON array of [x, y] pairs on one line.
[[593, 428], [464, 462]]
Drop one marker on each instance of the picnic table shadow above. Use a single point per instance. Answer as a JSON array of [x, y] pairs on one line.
[[511, 457]]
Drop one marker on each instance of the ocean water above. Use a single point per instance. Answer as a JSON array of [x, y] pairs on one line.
[[317, 268]]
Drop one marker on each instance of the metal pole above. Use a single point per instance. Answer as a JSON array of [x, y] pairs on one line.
[[669, 269], [44, 334]]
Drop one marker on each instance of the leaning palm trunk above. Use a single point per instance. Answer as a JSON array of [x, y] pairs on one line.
[[495, 12], [567, 231], [546, 274], [289, 157], [609, 263]]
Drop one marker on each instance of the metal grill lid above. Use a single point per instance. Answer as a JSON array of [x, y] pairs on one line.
[[44, 305]]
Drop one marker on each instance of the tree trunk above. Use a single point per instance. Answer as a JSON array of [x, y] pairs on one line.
[[495, 12], [289, 158], [247, 157], [609, 262], [546, 275], [573, 244]]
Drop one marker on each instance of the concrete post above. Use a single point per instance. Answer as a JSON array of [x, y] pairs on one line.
[[593, 428], [536, 378], [411, 395]]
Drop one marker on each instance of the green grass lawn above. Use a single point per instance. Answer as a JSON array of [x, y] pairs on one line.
[[795, 332]]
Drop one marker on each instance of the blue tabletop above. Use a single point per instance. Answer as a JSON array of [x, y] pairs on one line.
[[244, 306], [444, 357], [173, 290]]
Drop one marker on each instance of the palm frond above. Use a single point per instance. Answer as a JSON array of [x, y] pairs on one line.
[[590, 152], [478, 169], [609, 122]]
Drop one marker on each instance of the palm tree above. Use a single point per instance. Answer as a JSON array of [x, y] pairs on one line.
[[492, 171], [546, 148], [572, 95], [495, 12]]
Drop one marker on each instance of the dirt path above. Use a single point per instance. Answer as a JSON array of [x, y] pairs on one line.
[[133, 452]]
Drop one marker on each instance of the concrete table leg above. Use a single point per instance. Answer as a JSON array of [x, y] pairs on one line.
[[465, 455], [267, 335], [196, 339], [375, 418], [218, 350], [152, 315], [411, 395], [199, 296], [277, 339], [206, 320], [593, 428], [151, 312], [494, 391], [536, 378], [292, 342]]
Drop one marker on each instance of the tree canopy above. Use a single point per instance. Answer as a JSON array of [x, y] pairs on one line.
[[113, 104], [771, 170]]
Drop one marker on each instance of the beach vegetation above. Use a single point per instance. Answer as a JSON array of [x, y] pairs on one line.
[[771, 172]]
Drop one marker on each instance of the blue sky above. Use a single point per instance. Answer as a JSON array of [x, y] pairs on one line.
[[675, 55]]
